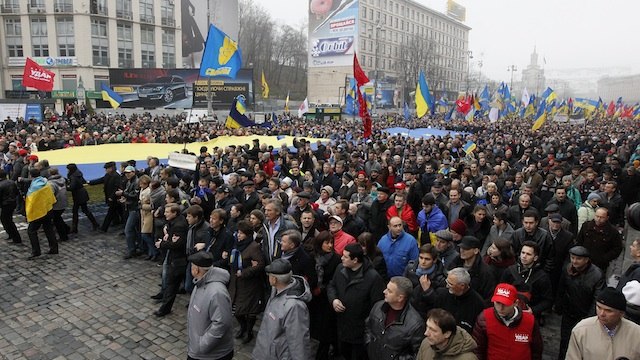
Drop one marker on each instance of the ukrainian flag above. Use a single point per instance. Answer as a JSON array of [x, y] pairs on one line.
[[541, 117], [549, 95], [111, 96], [424, 101], [237, 118], [265, 87], [221, 55], [469, 147], [39, 200]]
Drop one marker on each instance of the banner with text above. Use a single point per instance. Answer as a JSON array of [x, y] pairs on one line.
[[333, 32]]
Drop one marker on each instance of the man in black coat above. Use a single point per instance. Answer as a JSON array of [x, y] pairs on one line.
[[352, 292], [112, 183], [250, 199], [8, 196], [174, 241], [530, 231], [301, 263], [220, 242], [378, 218], [482, 279], [352, 225], [601, 238]]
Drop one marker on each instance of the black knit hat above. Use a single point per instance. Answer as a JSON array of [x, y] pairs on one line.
[[612, 298]]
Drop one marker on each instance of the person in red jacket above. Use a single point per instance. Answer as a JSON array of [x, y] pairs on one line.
[[404, 212], [505, 331]]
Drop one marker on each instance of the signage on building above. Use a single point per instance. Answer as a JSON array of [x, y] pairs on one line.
[[63, 94], [333, 32], [25, 111], [47, 61], [456, 11], [178, 88]]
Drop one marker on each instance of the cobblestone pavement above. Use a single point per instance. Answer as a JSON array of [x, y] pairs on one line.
[[89, 303]]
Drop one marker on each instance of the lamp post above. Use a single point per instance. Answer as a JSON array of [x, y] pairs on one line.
[[480, 73], [513, 69], [470, 56], [375, 80]]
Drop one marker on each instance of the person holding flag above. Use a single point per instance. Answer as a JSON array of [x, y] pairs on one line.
[[38, 204]]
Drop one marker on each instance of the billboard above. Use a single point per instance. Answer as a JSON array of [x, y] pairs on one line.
[[333, 32], [25, 111], [456, 11], [177, 88], [195, 25]]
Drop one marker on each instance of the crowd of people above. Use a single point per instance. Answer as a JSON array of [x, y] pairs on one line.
[[388, 247]]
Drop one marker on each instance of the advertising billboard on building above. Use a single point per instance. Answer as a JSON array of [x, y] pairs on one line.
[[178, 88], [456, 11], [333, 32], [195, 19]]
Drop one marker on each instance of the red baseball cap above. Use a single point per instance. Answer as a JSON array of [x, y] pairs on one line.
[[505, 294], [399, 186]]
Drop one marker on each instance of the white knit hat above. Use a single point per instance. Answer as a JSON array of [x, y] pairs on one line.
[[631, 292]]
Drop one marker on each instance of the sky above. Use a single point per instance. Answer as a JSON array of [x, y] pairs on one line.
[[568, 34]]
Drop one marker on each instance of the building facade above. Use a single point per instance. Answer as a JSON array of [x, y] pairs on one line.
[[627, 87], [395, 40], [533, 78], [79, 40]]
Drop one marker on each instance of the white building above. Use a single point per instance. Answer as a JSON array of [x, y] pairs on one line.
[[82, 39], [627, 87]]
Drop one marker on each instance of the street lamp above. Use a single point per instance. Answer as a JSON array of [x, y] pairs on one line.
[[513, 69], [375, 80], [470, 56]]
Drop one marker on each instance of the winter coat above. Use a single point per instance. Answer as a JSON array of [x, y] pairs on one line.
[[323, 317], [8, 193], [437, 276], [534, 281], [177, 256], [59, 185], [198, 233], [217, 243], [460, 347], [493, 235], [585, 213], [378, 218], [397, 253], [431, 222], [303, 265], [542, 238], [247, 290], [357, 291], [482, 279], [111, 183], [284, 331], [590, 341], [146, 214], [400, 339], [209, 318], [577, 291], [604, 244], [464, 308], [76, 186], [407, 215], [131, 193], [632, 273]]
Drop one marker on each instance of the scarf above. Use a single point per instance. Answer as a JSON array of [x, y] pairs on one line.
[[420, 271], [203, 192], [236, 254]]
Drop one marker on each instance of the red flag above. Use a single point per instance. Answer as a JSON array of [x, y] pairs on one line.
[[627, 113], [361, 79], [36, 76], [611, 109], [463, 105]]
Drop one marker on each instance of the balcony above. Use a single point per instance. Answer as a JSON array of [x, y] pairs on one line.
[[168, 21], [36, 9], [124, 14], [99, 10], [63, 7], [148, 19], [10, 9]]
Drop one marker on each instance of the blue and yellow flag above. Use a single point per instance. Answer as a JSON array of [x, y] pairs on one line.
[[111, 96], [265, 87], [237, 118], [39, 200], [541, 117], [549, 95], [469, 147], [221, 56], [351, 103], [407, 114], [424, 101]]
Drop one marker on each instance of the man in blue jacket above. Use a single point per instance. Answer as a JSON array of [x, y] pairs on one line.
[[398, 248], [430, 219]]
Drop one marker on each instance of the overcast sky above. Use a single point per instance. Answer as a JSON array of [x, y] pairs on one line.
[[569, 34]]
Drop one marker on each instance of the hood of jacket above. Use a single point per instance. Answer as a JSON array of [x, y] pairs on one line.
[[298, 289], [461, 343], [214, 274], [58, 180]]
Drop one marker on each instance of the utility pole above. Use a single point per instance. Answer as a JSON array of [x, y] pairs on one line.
[[513, 69], [375, 80], [209, 97], [470, 56]]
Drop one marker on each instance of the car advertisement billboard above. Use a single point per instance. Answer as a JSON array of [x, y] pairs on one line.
[[178, 88], [333, 32]]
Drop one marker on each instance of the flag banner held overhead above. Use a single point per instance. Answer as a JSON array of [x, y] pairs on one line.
[[221, 57], [35, 76]]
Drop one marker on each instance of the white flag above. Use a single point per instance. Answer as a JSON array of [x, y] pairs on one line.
[[304, 108], [525, 98], [494, 113]]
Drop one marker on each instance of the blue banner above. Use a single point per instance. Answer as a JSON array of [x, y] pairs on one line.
[[221, 56]]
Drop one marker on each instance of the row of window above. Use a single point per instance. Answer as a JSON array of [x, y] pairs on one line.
[[99, 41], [96, 7]]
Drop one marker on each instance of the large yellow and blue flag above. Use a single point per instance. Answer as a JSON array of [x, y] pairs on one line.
[[237, 118], [111, 96], [549, 95], [221, 56], [541, 116], [351, 101], [265, 87], [469, 147], [39, 200], [424, 101], [485, 98]]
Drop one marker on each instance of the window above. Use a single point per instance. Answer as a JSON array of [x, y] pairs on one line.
[[13, 31], [36, 6], [168, 49], [99, 42], [39, 39], [123, 9], [66, 39], [147, 47], [69, 83], [125, 45], [99, 7], [167, 13], [63, 6], [146, 11]]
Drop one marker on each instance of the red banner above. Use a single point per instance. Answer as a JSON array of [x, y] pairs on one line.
[[361, 79], [35, 76]]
